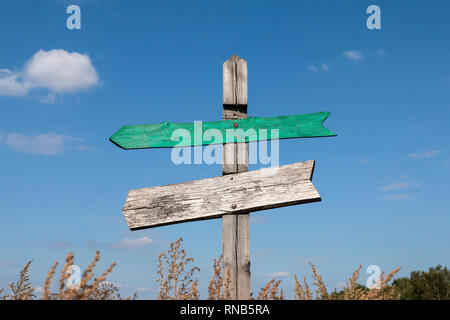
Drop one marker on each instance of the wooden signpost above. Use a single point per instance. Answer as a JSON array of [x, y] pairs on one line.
[[238, 191]]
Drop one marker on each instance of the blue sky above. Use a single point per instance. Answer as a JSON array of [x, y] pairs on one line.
[[383, 179]]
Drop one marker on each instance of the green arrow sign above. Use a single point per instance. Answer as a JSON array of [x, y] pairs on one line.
[[169, 134]]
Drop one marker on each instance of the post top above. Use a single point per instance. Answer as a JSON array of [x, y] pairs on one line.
[[235, 58], [235, 82]]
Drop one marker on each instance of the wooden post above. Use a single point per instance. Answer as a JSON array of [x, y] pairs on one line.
[[236, 227]]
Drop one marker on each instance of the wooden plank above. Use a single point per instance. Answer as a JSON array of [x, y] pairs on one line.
[[236, 228], [214, 197], [170, 134]]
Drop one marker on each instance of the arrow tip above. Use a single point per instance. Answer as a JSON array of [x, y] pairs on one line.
[[325, 117]]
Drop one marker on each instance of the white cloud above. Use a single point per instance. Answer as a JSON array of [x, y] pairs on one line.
[[133, 244], [11, 84], [60, 71], [397, 197], [395, 186], [323, 67], [56, 70], [427, 154], [50, 98], [47, 144], [353, 55], [399, 186], [278, 274]]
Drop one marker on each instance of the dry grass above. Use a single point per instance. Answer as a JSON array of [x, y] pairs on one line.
[[321, 290], [98, 289], [48, 282], [177, 283], [302, 292], [21, 290], [270, 291], [352, 290], [219, 289], [215, 288]]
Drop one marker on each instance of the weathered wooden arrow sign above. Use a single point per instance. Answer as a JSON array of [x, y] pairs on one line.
[[212, 198], [170, 134]]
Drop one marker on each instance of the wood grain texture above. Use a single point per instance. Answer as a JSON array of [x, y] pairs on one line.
[[243, 291], [212, 198], [236, 228], [235, 82]]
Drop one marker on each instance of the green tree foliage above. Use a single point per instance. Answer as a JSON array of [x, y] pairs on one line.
[[423, 285]]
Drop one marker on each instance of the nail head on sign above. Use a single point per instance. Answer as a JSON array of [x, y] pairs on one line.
[[235, 125], [233, 206]]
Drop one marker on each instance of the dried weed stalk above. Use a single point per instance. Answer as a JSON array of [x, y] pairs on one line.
[[219, 289], [178, 283], [270, 291], [302, 292], [352, 290], [97, 290], [21, 290]]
